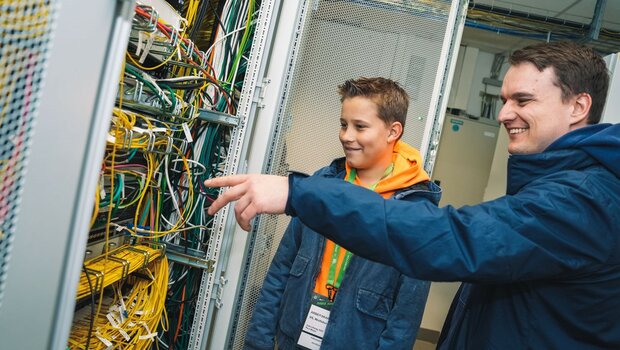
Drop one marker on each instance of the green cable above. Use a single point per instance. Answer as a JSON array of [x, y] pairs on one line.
[[145, 211]]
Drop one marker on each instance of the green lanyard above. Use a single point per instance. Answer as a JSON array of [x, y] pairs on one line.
[[331, 285]]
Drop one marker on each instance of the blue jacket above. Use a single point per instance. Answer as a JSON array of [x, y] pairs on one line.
[[376, 308], [542, 262]]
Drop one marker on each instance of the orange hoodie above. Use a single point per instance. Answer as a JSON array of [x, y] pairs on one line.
[[407, 171]]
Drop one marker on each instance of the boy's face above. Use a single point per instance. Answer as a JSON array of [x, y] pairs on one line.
[[366, 140]]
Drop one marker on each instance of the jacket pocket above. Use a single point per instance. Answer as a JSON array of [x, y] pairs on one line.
[[299, 266], [373, 304]]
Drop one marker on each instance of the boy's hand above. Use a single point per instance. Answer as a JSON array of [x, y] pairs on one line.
[[255, 194]]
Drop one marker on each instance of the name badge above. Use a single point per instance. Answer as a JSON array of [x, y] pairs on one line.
[[314, 328]]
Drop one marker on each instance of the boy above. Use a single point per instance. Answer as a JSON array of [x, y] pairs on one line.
[[316, 294]]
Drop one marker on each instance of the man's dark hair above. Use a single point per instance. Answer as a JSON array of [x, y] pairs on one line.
[[391, 99], [577, 68]]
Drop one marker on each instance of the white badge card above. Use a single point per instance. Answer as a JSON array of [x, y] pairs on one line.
[[314, 328]]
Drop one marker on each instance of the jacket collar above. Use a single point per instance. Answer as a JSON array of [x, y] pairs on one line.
[[523, 169], [428, 188], [578, 149]]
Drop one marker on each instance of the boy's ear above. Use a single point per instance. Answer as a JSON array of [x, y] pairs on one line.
[[396, 130]]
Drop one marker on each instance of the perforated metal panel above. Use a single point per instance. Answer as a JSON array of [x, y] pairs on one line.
[[399, 39], [25, 28]]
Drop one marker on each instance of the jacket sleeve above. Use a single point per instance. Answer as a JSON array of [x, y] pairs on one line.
[[404, 319], [556, 227], [263, 324]]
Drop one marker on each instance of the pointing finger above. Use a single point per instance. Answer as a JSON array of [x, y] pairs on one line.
[[231, 180], [231, 194], [241, 207]]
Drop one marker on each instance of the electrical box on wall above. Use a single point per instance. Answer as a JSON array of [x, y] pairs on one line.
[[464, 159]]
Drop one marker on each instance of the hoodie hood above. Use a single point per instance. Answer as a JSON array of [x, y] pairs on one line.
[[600, 141], [578, 149], [407, 170]]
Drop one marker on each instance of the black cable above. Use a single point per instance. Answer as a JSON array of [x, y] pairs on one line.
[[92, 307], [202, 11]]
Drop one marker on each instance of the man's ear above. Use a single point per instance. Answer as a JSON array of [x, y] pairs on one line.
[[396, 130], [581, 109]]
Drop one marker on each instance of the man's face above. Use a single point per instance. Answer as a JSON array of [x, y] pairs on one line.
[[533, 113]]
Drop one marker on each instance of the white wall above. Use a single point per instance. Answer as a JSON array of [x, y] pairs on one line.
[[465, 95], [496, 186], [611, 114], [482, 69]]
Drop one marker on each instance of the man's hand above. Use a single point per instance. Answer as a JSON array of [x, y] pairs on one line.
[[255, 194]]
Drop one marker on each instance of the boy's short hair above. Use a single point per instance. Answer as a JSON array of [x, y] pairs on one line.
[[577, 68], [391, 99]]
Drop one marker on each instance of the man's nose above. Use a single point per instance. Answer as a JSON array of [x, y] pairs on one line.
[[506, 113]]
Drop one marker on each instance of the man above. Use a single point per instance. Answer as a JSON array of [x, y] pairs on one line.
[[541, 264]]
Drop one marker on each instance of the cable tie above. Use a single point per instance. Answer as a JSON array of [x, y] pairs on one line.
[[122, 177], [102, 193], [148, 336], [188, 134], [112, 319], [147, 48], [123, 310], [124, 334], [140, 42], [105, 341]]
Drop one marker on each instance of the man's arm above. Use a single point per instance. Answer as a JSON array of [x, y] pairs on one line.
[[555, 228], [255, 194], [558, 227]]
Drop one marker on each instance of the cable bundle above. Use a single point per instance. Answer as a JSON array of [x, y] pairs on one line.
[[115, 266], [132, 320]]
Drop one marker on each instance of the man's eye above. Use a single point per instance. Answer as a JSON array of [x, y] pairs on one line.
[[523, 102]]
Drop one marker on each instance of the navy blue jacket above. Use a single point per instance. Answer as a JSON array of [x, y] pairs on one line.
[[377, 307], [542, 263]]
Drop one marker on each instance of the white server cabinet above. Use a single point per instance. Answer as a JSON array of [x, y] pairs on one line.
[[68, 130]]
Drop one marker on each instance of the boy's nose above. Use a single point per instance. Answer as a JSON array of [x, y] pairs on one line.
[[347, 135]]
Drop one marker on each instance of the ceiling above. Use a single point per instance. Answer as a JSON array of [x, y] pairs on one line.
[[566, 16]]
